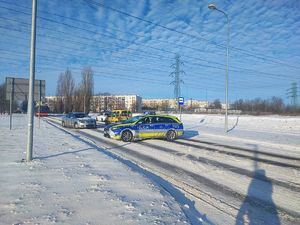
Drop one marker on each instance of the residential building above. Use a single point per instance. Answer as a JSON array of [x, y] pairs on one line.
[[169, 104], [111, 102]]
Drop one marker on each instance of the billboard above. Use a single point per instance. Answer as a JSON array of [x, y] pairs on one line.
[[19, 87]]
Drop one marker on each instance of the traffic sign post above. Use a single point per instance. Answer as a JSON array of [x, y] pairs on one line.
[[180, 101]]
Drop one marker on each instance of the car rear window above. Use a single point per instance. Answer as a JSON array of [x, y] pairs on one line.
[[164, 120]]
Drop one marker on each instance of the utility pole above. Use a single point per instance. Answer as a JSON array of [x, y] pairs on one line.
[[214, 7], [11, 102], [176, 75], [31, 83], [292, 93]]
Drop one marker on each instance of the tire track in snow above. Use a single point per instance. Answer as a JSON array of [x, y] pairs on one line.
[[231, 168], [243, 149], [264, 160], [267, 161], [202, 181]]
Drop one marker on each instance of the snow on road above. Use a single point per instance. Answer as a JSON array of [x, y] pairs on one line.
[[255, 164], [69, 182], [249, 175]]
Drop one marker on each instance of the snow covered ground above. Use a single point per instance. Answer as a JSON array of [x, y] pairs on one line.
[[69, 182], [272, 131], [249, 175]]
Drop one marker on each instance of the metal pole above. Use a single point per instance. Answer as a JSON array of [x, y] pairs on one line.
[[84, 103], [227, 68], [11, 102], [31, 84], [180, 111], [40, 99]]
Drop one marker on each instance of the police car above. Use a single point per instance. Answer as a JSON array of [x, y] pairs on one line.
[[146, 126]]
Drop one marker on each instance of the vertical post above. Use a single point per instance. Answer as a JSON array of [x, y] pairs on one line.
[[214, 7], [11, 101], [40, 102], [180, 111], [206, 108], [84, 103], [227, 68], [31, 84]]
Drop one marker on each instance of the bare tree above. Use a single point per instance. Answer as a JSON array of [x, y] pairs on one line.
[[65, 89], [217, 104], [78, 99], [87, 87]]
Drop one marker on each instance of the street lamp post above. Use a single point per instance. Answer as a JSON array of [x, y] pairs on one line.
[[214, 7]]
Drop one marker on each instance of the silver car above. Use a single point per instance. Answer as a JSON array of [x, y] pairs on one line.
[[78, 120]]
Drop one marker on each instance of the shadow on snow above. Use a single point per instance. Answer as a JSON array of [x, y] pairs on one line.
[[253, 210]]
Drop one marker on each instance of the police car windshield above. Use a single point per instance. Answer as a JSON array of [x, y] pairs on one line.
[[133, 119]]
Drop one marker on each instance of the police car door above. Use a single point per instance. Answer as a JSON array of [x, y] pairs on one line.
[[145, 128], [159, 126]]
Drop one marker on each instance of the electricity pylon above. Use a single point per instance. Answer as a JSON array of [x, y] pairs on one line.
[[292, 93], [176, 74]]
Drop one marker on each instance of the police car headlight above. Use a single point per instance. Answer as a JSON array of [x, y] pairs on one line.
[[114, 129]]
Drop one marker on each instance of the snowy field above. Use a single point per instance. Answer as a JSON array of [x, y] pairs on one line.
[[250, 175], [69, 182], [263, 131]]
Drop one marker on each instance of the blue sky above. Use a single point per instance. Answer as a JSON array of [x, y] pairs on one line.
[[131, 56]]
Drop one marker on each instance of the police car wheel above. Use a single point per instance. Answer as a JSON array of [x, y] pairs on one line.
[[127, 136], [63, 123], [75, 125], [171, 135]]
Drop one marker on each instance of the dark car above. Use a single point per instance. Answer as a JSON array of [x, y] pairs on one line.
[[148, 126]]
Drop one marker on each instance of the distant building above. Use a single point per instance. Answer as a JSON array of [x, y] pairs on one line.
[[194, 104], [101, 102], [166, 104], [159, 104], [55, 103], [110, 102]]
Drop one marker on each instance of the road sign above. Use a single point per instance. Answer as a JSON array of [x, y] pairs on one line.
[[180, 100], [19, 87]]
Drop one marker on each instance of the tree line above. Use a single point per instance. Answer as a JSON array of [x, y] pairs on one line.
[[257, 106], [70, 97], [73, 97]]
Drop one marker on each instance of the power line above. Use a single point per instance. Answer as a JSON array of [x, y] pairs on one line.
[[50, 58], [171, 52], [114, 29], [159, 49], [272, 59], [50, 20], [85, 22], [215, 67], [164, 71]]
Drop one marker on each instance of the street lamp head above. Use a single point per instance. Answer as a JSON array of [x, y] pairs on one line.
[[212, 6]]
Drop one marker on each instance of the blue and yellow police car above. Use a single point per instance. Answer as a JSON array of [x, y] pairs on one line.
[[146, 126]]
